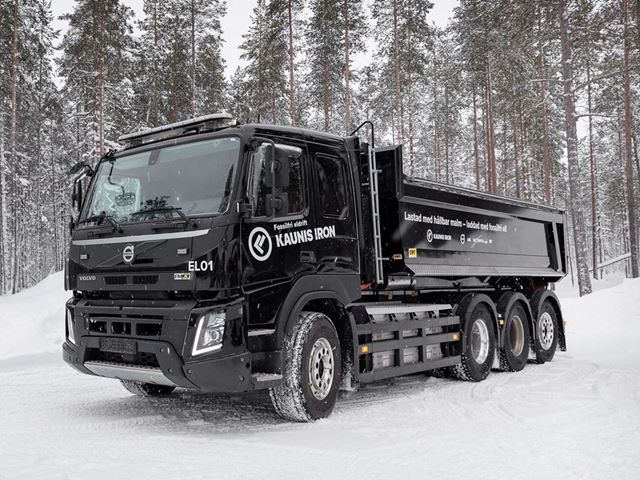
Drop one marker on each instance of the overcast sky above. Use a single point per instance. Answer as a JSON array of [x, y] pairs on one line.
[[236, 22]]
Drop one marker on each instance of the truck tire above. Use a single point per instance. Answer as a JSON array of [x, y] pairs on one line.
[[514, 353], [312, 370], [547, 330], [478, 345], [147, 389]]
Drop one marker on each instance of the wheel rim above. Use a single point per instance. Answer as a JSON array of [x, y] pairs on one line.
[[516, 335], [321, 368], [479, 341], [546, 331]]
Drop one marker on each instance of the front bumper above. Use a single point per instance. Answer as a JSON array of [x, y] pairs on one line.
[[164, 358], [231, 373]]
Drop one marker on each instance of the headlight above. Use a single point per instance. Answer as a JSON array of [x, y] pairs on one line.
[[70, 334], [209, 333]]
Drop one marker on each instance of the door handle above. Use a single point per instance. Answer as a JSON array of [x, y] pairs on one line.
[[307, 256]]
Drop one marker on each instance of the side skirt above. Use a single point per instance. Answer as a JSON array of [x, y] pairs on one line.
[[401, 339]]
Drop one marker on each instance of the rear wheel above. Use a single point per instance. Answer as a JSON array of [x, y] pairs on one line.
[[546, 338], [312, 370], [478, 345], [146, 389], [515, 351]]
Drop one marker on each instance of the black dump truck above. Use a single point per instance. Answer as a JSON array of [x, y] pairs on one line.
[[219, 257]]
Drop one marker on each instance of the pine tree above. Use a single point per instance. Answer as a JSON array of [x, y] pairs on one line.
[[628, 126], [207, 64], [29, 104], [577, 215], [334, 33], [95, 67], [149, 61], [404, 37], [325, 62], [265, 50]]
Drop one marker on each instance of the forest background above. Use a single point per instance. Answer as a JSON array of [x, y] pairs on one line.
[[534, 100]]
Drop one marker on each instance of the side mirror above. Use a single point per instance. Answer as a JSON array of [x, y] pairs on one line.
[[277, 171], [76, 196], [80, 168]]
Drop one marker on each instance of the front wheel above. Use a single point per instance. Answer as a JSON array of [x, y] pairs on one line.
[[312, 370]]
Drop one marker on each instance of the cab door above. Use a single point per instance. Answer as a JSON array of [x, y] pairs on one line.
[[335, 233], [276, 231]]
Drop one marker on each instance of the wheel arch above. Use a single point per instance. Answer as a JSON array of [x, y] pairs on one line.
[[466, 305], [537, 300], [345, 327], [328, 294]]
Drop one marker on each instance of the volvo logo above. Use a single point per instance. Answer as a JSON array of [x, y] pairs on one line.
[[260, 244], [128, 254]]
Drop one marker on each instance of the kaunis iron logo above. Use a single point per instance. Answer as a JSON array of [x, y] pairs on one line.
[[128, 254], [260, 244]]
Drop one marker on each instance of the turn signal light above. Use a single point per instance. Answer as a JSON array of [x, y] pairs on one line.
[[455, 337], [364, 349]]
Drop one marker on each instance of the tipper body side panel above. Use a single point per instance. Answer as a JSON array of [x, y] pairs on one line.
[[436, 230]]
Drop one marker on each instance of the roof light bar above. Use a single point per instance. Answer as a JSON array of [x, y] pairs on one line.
[[206, 123]]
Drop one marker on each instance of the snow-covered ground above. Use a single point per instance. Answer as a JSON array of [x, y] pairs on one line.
[[576, 417]]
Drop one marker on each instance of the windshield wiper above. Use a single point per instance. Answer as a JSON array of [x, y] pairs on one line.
[[171, 209], [100, 218]]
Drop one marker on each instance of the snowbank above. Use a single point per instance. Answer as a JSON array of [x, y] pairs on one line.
[[32, 321], [604, 327]]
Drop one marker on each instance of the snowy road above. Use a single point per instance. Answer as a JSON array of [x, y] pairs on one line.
[[576, 417]]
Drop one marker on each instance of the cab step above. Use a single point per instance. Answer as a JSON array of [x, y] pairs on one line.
[[266, 380]]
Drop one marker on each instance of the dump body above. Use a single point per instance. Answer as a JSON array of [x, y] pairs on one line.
[[431, 229]]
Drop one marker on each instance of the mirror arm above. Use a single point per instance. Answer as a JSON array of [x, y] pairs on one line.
[[256, 141], [276, 203], [244, 209]]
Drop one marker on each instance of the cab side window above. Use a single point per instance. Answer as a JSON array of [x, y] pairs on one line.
[[332, 180], [258, 191]]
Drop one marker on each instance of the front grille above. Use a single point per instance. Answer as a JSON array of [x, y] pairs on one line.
[[124, 326], [148, 329], [145, 279], [133, 280], [115, 280], [97, 326]]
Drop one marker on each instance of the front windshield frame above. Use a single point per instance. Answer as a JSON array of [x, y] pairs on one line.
[[92, 187]]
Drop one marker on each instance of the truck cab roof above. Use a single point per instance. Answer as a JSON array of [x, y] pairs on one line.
[[219, 122]]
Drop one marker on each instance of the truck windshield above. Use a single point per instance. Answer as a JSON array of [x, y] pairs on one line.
[[178, 181]]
